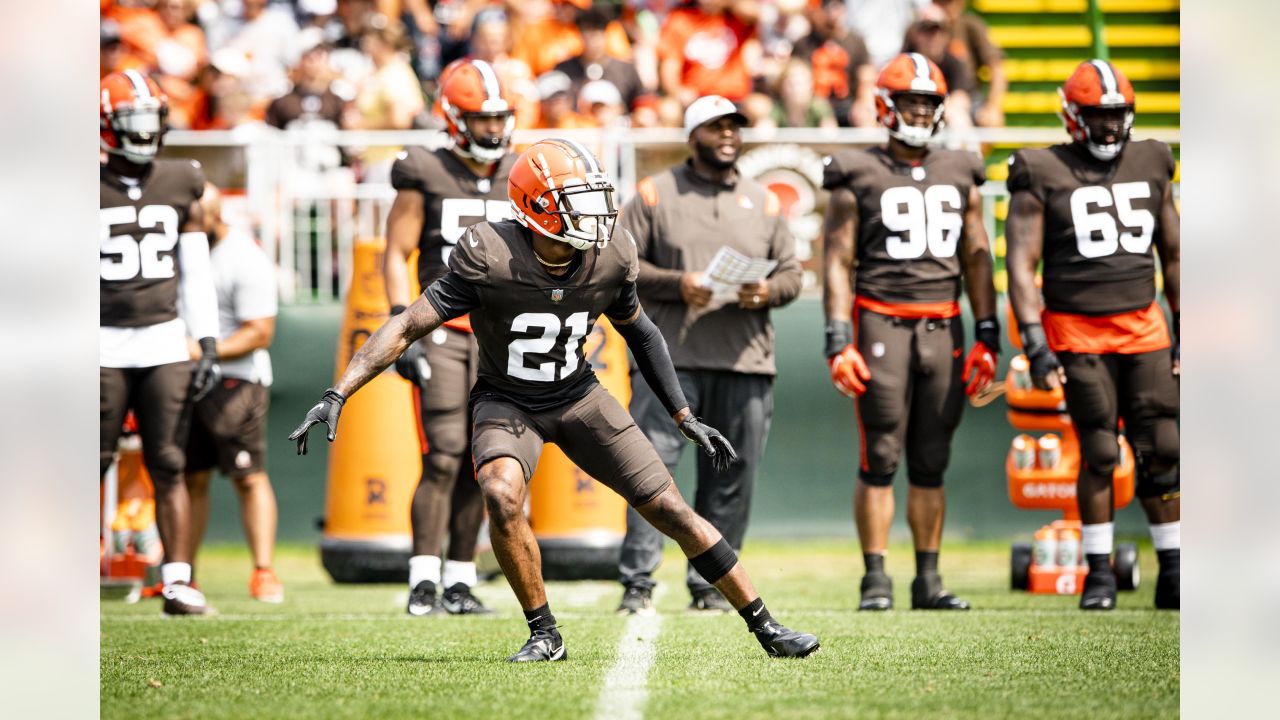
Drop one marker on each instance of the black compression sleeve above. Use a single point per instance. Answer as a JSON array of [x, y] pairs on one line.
[[651, 354], [452, 296]]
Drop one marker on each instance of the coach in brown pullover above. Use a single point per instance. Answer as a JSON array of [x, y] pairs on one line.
[[722, 349]]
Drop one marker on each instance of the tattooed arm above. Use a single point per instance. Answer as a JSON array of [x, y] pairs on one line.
[[384, 346]]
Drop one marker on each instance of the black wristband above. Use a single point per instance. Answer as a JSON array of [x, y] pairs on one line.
[[987, 332], [209, 347], [1033, 339], [397, 309], [335, 396], [839, 336]]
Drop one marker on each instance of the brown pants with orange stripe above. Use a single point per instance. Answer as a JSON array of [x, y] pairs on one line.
[[914, 398], [448, 496]]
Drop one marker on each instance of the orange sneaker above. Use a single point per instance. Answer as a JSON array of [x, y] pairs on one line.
[[265, 586]]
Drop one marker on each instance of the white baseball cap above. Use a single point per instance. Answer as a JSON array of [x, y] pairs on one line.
[[708, 108]]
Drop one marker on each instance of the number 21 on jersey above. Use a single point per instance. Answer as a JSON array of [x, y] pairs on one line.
[[549, 325]]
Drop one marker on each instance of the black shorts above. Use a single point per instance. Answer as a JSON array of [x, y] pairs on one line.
[[158, 397], [229, 429], [595, 432], [914, 398]]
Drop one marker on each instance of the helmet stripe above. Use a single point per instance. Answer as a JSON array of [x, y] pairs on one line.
[[139, 83], [588, 159], [1107, 76], [922, 65], [489, 78]]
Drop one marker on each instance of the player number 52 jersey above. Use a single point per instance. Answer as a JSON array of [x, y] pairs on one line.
[[138, 230], [910, 220], [1100, 221]]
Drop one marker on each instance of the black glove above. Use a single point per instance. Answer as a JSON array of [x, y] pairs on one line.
[[413, 366], [710, 440], [1043, 360], [987, 332], [208, 372], [326, 411], [1177, 337]]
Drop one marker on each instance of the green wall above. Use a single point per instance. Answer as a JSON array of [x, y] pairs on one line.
[[807, 481]]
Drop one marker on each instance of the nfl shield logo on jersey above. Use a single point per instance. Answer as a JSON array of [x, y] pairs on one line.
[[557, 294]]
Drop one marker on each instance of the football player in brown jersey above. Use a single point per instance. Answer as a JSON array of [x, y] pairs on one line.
[[903, 230], [439, 193], [1094, 210], [535, 286], [154, 255]]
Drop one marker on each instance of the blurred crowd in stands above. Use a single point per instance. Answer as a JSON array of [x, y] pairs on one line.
[[374, 64]]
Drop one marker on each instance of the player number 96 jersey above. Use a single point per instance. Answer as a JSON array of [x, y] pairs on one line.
[[1100, 221], [910, 220], [530, 324]]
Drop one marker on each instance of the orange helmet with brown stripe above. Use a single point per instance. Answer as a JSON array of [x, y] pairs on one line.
[[1097, 108], [472, 90], [558, 189], [133, 116], [911, 77]]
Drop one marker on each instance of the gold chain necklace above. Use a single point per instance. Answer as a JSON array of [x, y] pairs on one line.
[[551, 265]]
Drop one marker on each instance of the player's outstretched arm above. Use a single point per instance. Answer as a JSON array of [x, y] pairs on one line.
[[1024, 231], [379, 351], [654, 359]]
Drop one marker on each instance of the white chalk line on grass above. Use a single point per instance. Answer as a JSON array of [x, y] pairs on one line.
[[626, 685]]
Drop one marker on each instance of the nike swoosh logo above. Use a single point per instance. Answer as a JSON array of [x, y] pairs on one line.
[[757, 612], [559, 651]]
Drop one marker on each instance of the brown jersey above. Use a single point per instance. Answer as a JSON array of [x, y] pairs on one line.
[[1099, 222], [138, 229], [910, 220], [529, 323], [454, 199]]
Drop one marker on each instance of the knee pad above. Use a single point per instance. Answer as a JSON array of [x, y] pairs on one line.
[[1100, 451], [1157, 477], [441, 469], [881, 455], [165, 465], [715, 562], [874, 480], [925, 479]]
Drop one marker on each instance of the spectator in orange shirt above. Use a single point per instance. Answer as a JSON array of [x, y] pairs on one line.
[[112, 55], [842, 71], [491, 42], [557, 112], [700, 50], [594, 64], [545, 42]]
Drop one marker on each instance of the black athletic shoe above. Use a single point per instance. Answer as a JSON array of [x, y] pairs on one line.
[[636, 600], [927, 593], [543, 646], [710, 600], [423, 600], [877, 592], [1168, 589], [458, 600], [1099, 591], [182, 599], [781, 641]]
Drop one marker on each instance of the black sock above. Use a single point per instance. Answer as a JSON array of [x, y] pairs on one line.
[[1170, 560], [1098, 562], [874, 562], [540, 618], [756, 614], [926, 562]]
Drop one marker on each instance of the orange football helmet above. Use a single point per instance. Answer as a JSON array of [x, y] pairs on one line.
[[1097, 107], [910, 74], [558, 189], [133, 116], [472, 90]]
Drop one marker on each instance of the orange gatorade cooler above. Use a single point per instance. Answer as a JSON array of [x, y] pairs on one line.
[[375, 463], [578, 522]]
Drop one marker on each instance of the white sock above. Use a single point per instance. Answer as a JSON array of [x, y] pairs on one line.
[[459, 572], [1098, 539], [173, 572], [423, 567], [1167, 536]]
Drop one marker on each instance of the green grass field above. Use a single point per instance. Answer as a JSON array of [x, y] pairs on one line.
[[351, 652]]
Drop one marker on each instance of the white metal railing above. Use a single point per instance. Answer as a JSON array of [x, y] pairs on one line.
[[308, 210]]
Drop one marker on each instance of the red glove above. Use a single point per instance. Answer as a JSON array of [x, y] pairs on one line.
[[980, 365], [849, 371]]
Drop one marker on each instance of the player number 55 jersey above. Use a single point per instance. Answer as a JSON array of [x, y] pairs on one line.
[[1100, 222]]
